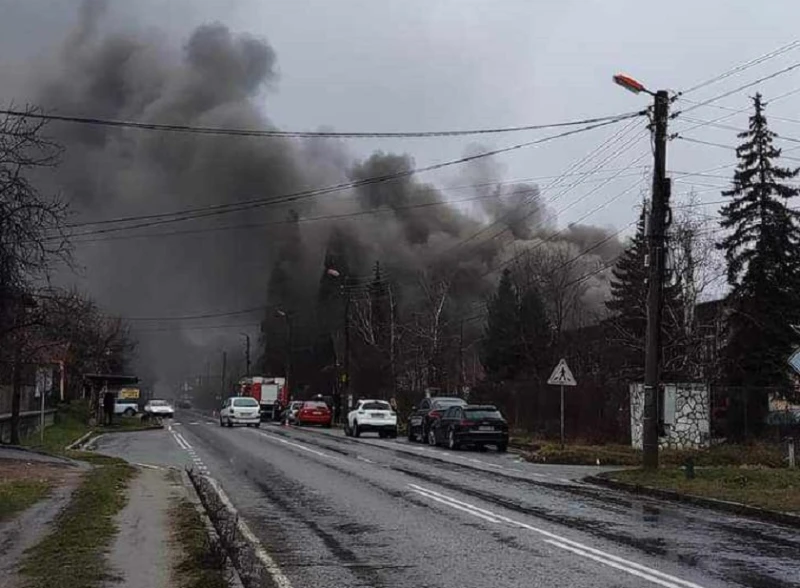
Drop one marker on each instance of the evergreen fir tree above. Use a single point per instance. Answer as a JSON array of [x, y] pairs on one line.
[[628, 304], [500, 349], [763, 266], [535, 333]]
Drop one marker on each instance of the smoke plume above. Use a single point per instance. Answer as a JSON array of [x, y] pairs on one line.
[[225, 262]]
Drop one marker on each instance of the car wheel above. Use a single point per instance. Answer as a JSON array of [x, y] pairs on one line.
[[129, 412], [230, 423], [393, 434], [502, 448], [257, 425], [412, 437], [356, 432], [432, 438], [451, 440], [221, 424]]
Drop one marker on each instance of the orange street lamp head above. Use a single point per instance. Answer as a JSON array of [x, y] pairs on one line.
[[629, 84]]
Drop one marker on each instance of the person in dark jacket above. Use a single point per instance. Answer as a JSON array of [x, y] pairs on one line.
[[108, 407]]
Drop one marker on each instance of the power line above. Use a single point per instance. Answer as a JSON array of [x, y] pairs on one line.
[[715, 124], [736, 90], [742, 67], [549, 238], [236, 132], [576, 165], [195, 316], [219, 209], [722, 146], [735, 111]]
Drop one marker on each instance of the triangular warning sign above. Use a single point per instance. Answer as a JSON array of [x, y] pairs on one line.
[[562, 376]]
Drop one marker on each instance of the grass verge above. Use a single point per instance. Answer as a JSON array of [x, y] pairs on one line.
[[17, 495], [71, 425], [624, 455], [772, 489], [74, 551], [202, 564]]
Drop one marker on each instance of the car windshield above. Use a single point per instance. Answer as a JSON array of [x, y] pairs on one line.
[[316, 405], [476, 414], [159, 403], [245, 402], [376, 406], [296, 405]]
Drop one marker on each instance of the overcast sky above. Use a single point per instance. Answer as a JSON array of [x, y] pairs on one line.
[[442, 64]]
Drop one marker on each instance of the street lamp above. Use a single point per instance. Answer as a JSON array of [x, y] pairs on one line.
[[630, 84], [655, 281]]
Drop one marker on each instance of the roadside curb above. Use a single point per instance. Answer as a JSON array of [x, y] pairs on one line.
[[255, 566], [770, 516], [233, 579], [80, 441]]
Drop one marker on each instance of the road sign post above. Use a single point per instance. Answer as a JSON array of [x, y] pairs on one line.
[[562, 376]]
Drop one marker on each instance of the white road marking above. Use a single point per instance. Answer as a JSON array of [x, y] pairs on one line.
[[148, 466], [364, 459], [180, 443], [298, 446], [280, 579], [182, 438], [461, 508], [603, 557]]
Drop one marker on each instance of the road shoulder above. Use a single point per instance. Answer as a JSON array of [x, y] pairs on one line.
[[763, 514]]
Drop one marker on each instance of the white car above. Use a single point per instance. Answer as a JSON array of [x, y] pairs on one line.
[[291, 412], [240, 410], [372, 416], [159, 408]]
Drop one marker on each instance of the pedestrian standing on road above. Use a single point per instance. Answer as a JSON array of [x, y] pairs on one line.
[[108, 407]]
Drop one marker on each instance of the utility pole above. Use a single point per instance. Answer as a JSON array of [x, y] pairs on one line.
[[655, 281], [656, 239], [224, 374], [246, 354], [346, 375]]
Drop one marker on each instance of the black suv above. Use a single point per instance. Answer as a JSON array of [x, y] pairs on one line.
[[428, 411]]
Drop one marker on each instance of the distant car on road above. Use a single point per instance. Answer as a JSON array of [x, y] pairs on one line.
[[292, 410], [159, 408], [476, 425], [372, 416], [126, 406], [240, 410], [314, 412], [428, 411]]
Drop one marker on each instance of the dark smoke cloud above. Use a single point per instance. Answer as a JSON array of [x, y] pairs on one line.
[[216, 79]]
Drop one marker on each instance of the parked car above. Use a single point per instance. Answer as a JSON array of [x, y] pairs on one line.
[[371, 416], [314, 412], [292, 410], [476, 425], [159, 408], [240, 410], [126, 406], [428, 411]]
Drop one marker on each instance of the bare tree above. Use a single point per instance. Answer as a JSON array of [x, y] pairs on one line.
[[31, 232]]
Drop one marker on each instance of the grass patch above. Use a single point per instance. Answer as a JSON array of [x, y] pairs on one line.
[[773, 489], [72, 423], [202, 564], [74, 551], [17, 495], [624, 455]]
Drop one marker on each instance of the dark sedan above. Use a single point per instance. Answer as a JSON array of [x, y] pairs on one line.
[[476, 425], [427, 413]]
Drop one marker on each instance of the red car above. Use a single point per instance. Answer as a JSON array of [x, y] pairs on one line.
[[314, 412]]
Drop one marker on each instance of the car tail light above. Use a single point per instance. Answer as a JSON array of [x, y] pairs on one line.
[[465, 423], [434, 414]]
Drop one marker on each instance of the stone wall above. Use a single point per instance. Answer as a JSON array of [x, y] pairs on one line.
[[684, 411]]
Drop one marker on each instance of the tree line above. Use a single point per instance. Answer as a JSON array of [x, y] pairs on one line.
[[39, 323]]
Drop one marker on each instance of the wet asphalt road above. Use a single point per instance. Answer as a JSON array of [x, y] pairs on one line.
[[335, 511]]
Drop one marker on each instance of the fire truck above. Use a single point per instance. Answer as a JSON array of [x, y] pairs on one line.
[[270, 392]]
